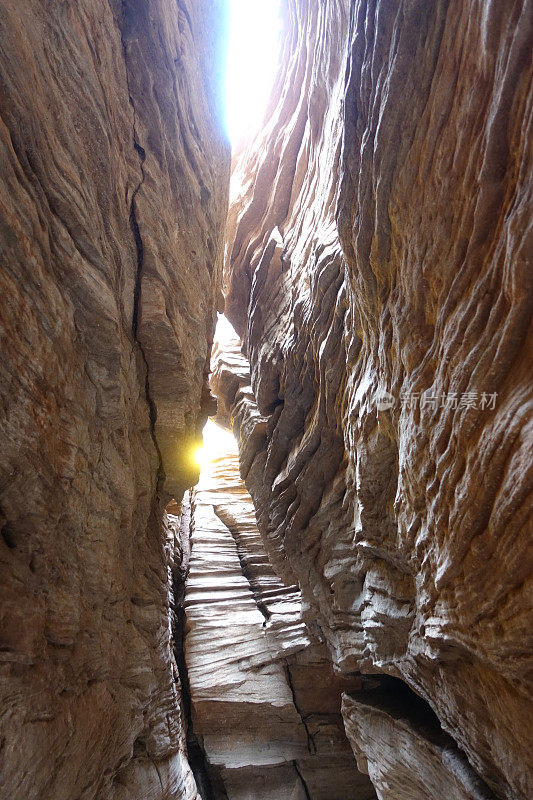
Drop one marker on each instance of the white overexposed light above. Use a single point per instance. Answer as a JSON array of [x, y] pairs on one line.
[[224, 333], [217, 442], [252, 59]]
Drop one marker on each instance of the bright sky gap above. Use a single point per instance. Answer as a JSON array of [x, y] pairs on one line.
[[252, 58], [252, 61]]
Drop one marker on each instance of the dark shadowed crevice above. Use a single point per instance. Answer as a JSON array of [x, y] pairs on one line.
[[9, 537], [311, 746], [302, 780], [209, 783], [398, 701], [401, 702], [227, 521], [134, 225]]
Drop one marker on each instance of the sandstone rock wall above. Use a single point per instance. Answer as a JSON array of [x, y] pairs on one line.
[[113, 180], [402, 746], [380, 278]]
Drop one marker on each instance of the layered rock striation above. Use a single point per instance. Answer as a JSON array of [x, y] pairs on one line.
[[391, 731], [113, 181], [265, 703], [379, 278]]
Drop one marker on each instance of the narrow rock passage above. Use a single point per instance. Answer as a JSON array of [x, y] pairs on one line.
[[265, 703], [367, 607]]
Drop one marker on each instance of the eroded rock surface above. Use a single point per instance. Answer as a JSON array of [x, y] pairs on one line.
[[113, 177], [265, 701], [379, 278], [399, 742]]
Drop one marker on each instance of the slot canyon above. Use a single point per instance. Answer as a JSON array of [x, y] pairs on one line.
[[332, 600]]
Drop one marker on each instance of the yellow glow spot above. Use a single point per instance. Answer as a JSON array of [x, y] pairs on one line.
[[199, 456]]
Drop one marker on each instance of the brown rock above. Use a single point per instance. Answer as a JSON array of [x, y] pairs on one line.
[[381, 247], [113, 177], [400, 743]]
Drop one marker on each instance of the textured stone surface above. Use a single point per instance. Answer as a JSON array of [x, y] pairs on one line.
[[265, 701], [113, 176], [398, 740], [380, 243]]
